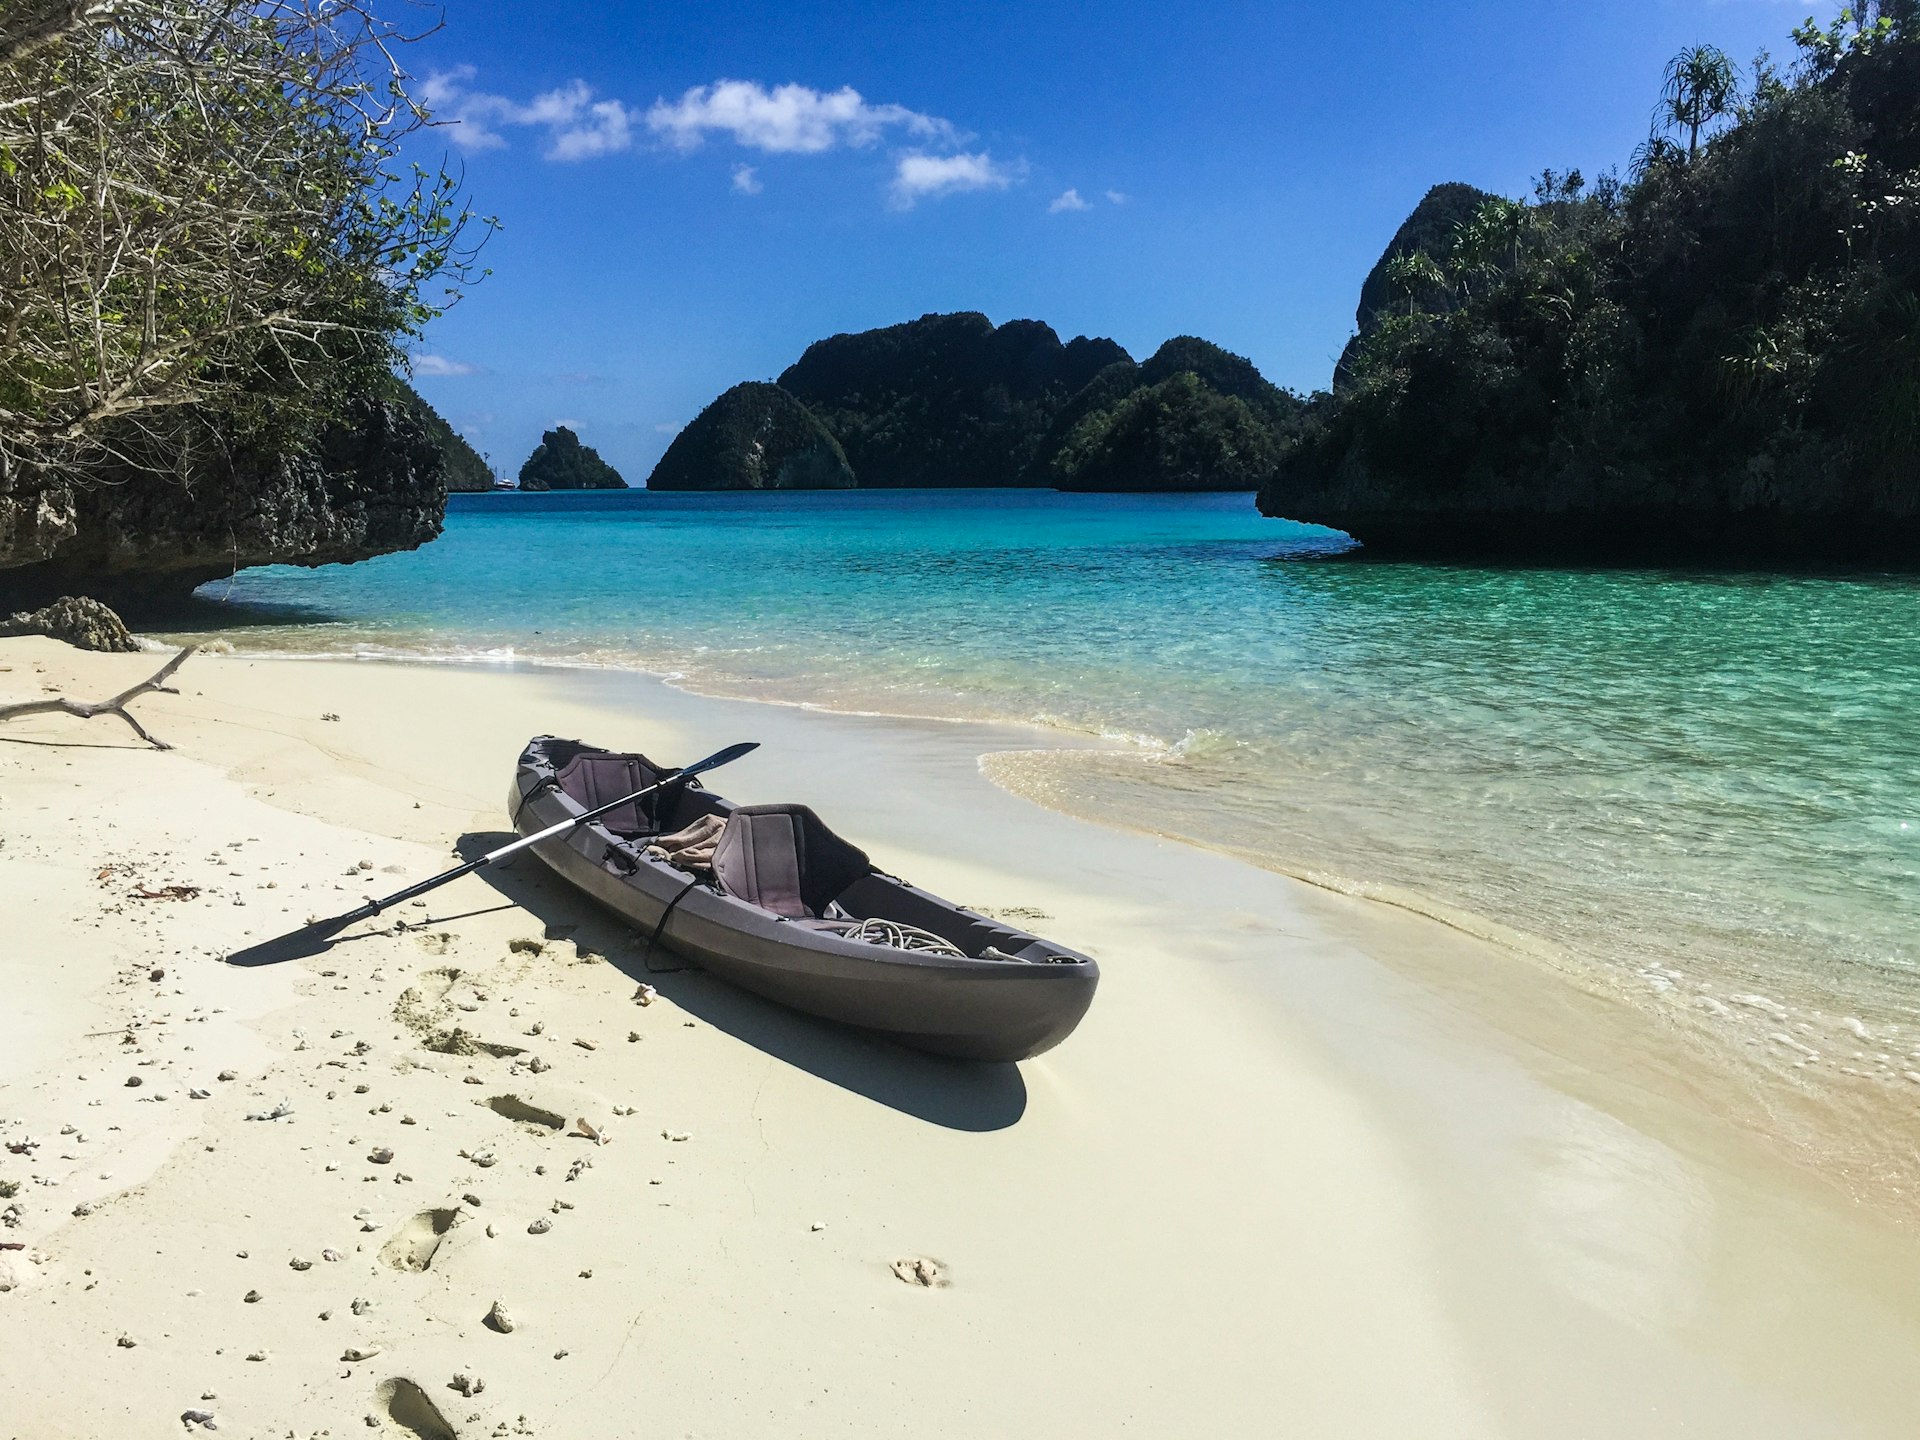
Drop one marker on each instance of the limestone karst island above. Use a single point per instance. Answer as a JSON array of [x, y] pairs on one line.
[[754, 721]]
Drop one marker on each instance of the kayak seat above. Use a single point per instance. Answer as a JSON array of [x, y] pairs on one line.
[[784, 859], [593, 777]]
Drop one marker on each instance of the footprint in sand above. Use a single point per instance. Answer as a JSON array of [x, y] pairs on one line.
[[522, 1112], [409, 1407], [414, 1244]]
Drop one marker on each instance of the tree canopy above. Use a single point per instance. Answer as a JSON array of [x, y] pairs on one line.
[[205, 234]]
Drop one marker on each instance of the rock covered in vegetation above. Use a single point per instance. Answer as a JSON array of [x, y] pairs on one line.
[[140, 537], [1193, 417], [953, 400], [1716, 360], [945, 400], [754, 437], [1177, 435], [1428, 231], [82, 622], [561, 462]]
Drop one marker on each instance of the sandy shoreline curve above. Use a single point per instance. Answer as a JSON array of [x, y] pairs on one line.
[[1272, 1185]]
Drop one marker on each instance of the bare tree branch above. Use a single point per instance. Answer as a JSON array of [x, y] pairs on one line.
[[114, 705]]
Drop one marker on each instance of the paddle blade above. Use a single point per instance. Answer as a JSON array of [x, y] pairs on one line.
[[301, 944], [719, 758]]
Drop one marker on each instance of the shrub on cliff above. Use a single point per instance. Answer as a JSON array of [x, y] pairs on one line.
[[561, 462]]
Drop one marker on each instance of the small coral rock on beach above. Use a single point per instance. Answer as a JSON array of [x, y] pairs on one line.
[[82, 622], [500, 1318], [380, 1155], [919, 1271]]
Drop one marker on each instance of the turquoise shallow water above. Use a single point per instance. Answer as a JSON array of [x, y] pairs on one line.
[[1703, 786]]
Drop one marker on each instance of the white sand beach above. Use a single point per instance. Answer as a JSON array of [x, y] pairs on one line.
[[1309, 1167]]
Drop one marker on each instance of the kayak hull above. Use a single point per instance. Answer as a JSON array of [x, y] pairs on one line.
[[992, 1009]]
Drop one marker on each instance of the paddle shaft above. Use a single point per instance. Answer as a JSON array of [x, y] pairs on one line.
[[712, 762]]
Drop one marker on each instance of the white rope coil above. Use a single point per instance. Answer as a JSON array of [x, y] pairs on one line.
[[877, 931]]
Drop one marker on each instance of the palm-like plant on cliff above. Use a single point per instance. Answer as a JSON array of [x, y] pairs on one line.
[[1701, 87], [1413, 273]]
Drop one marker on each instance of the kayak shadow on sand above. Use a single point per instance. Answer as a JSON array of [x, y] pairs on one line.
[[959, 1094]]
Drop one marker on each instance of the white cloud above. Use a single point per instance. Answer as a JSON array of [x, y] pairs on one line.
[[666, 427], [918, 176], [577, 126], [441, 365], [1118, 197], [786, 120], [1067, 200], [746, 180]]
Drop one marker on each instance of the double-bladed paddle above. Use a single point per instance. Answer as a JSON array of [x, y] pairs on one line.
[[306, 941]]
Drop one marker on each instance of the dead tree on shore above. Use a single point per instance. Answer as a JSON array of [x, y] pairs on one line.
[[113, 705]]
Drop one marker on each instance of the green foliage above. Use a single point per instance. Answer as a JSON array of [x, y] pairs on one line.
[[561, 462], [951, 400], [1193, 417], [1741, 319], [1424, 238], [1179, 434], [1701, 87]]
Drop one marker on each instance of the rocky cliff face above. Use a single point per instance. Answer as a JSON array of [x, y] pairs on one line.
[[139, 539], [754, 437]]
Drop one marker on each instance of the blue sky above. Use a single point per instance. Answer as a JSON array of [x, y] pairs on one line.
[[1138, 170]]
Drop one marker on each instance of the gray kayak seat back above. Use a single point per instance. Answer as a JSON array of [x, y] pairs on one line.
[[784, 859], [593, 777]]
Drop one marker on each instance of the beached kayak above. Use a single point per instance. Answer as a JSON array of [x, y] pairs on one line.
[[768, 897]]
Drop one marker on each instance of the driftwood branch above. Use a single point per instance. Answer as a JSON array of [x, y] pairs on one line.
[[116, 705]]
